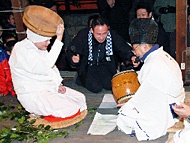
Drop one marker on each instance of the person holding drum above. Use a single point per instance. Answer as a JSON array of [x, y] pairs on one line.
[[94, 51], [149, 112]]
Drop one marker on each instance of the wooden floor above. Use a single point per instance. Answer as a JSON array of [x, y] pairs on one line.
[[93, 101]]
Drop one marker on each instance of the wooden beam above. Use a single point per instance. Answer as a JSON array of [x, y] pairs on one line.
[[181, 30], [18, 8]]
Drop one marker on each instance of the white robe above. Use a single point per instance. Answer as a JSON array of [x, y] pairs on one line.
[[148, 112], [36, 80], [182, 136]]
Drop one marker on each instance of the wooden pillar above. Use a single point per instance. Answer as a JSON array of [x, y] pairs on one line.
[[18, 6], [181, 30]]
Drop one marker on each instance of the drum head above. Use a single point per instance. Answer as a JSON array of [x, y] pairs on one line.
[[41, 20]]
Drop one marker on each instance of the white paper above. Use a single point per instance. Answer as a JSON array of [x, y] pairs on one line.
[[108, 101], [102, 124]]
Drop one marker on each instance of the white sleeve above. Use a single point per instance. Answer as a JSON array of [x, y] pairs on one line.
[[54, 52]]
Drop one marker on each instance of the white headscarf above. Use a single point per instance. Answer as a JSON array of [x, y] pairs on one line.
[[35, 37]]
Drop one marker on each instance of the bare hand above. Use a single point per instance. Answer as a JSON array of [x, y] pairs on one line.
[[111, 3], [120, 105], [76, 58], [61, 89], [133, 58], [60, 31], [182, 110]]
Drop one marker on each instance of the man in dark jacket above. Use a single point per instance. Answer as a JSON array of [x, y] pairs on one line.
[[94, 51]]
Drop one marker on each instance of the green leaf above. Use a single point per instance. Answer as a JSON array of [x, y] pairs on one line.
[[41, 126], [47, 127], [14, 135], [21, 120], [24, 130], [40, 133]]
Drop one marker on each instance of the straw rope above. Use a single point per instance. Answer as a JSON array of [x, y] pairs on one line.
[[60, 124]]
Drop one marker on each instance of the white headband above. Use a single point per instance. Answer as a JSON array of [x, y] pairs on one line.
[[35, 38]]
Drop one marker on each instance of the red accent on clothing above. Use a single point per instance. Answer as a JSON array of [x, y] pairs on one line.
[[51, 118]]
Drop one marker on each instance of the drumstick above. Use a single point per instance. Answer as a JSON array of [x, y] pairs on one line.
[[73, 50], [137, 60]]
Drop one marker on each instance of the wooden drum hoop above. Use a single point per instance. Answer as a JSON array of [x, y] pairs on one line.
[[124, 85]]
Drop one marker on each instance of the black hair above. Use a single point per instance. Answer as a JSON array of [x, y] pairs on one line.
[[99, 21], [8, 14], [8, 36], [50, 3], [92, 17], [143, 5], [10, 45]]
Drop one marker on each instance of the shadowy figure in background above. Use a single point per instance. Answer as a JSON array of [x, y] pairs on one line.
[[10, 21], [117, 13], [51, 4], [165, 13], [9, 41], [9, 25], [144, 10]]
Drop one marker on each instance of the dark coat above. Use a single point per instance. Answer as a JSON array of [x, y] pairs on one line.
[[79, 45]]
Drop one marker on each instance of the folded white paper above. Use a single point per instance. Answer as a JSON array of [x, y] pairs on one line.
[[102, 124], [108, 101]]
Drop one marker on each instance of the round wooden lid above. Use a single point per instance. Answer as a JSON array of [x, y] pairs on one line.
[[41, 20]]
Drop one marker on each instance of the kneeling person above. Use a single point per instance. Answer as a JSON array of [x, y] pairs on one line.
[[37, 81], [148, 112]]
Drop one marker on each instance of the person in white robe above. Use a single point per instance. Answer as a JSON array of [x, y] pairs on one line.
[[37, 81], [148, 113]]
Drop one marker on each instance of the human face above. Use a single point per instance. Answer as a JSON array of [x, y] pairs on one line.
[[142, 13], [42, 45], [11, 20], [139, 49], [100, 32]]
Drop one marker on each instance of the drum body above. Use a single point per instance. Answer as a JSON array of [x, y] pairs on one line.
[[124, 85]]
